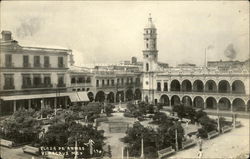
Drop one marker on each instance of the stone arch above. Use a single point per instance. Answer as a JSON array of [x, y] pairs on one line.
[[137, 95], [210, 86], [198, 102], [129, 95], [198, 86], [238, 104], [120, 96], [238, 87], [175, 100], [211, 103], [186, 86], [91, 96], [164, 100], [224, 86], [111, 97], [100, 96], [187, 101], [224, 104], [175, 85]]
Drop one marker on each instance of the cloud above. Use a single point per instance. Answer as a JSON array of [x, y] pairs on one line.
[[230, 52], [29, 27]]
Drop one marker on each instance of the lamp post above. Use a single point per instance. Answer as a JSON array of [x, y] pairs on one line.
[[218, 121], [142, 149]]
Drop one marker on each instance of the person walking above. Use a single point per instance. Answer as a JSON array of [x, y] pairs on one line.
[[200, 154]]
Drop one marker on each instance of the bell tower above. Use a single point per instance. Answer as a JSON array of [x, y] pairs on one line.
[[150, 61], [150, 52]]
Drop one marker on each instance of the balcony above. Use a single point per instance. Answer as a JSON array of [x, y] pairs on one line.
[[9, 65], [37, 86], [61, 85], [26, 65], [61, 66], [7, 87], [38, 65], [47, 65]]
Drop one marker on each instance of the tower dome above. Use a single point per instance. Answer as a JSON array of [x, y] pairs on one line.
[[150, 23]]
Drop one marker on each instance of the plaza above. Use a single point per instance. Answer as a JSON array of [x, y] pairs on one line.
[[138, 108]]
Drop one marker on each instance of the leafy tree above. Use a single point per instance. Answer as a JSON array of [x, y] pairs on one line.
[[92, 110], [208, 124], [133, 139], [180, 110], [150, 108], [131, 107], [109, 109], [159, 118], [143, 107], [22, 127], [200, 114]]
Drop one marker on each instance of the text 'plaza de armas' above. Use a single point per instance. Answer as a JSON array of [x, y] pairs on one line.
[[34, 77]]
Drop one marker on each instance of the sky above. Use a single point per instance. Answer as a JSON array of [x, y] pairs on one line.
[[112, 31]]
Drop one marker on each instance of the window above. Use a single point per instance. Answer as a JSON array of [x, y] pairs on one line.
[[131, 80], [210, 86], [61, 81], [60, 62], [8, 81], [158, 86], [137, 81], [36, 80], [118, 81], [147, 66], [97, 83], [165, 86], [127, 82], [122, 81], [47, 80], [26, 80], [147, 45], [88, 80], [46, 61], [73, 80], [8, 60], [36, 61], [25, 61], [112, 82], [103, 82], [108, 82]]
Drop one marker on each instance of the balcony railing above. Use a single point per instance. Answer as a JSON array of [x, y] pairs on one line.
[[61, 85], [38, 86], [9, 65], [6, 87], [26, 65], [47, 65], [204, 93], [61, 65], [37, 65]]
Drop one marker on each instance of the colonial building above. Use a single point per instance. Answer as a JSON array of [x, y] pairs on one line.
[[223, 85], [31, 77]]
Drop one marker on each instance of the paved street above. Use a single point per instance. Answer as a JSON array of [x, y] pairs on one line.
[[228, 145], [14, 153]]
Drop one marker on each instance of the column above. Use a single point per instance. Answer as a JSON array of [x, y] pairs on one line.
[[162, 85], [246, 106], [205, 105], [29, 104], [42, 103], [55, 102], [169, 86], [66, 101], [115, 97], [14, 106]]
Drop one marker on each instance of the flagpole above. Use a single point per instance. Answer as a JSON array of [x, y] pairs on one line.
[[205, 62]]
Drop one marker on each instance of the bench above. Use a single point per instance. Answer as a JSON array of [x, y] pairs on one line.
[[165, 152], [188, 143], [237, 124], [212, 134], [226, 129], [31, 150], [6, 143]]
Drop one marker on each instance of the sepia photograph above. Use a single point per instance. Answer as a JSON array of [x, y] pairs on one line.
[[124, 79]]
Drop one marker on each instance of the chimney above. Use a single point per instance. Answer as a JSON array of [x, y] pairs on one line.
[[6, 35]]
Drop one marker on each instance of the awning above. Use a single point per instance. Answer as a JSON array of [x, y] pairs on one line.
[[31, 96], [74, 96], [78, 97]]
